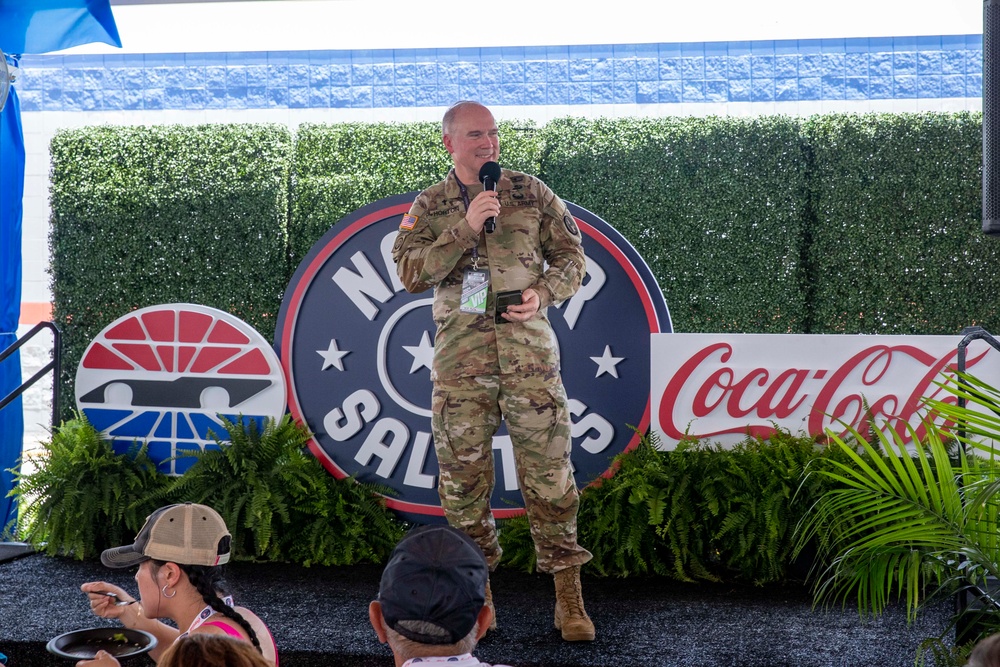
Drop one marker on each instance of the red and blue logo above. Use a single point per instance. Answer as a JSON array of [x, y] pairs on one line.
[[164, 375], [357, 350]]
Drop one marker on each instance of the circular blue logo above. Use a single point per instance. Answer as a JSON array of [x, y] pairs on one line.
[[357, 349]]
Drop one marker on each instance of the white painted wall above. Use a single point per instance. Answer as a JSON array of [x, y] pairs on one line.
[[293, 25]]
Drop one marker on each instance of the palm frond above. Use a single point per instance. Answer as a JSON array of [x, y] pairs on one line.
[[910, 518]]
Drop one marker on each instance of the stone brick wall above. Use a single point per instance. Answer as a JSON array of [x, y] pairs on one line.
[[608, 74]]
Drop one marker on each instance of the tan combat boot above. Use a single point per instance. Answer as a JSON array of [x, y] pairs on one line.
[[571, 617], [489, 603]]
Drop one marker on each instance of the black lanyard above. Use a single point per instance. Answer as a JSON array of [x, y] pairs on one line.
[[465, 199]]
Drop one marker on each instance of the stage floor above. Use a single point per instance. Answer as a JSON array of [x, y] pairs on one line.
[[319, 617]]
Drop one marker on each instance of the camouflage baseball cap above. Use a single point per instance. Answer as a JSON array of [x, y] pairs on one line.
[[436, 575], [188, 534]]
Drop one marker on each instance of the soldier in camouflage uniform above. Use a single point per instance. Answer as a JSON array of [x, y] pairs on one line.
[[485, 369]]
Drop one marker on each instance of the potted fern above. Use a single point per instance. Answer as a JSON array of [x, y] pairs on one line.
[[279, 502], [82, 497]]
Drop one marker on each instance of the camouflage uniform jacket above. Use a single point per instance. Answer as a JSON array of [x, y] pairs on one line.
[[534, 228]]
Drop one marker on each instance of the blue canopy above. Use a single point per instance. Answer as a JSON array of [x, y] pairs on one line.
[[40, 26], [11, 191], [28, 26]]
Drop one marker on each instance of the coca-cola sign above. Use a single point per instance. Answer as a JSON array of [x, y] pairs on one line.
[[723, 387]]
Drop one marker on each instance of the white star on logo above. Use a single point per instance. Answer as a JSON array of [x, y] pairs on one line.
[[423, 354], [606, 363], [332, 356]]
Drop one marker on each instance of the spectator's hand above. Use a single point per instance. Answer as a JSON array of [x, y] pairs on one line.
[[102, 659], [485, 205], [526, 309], [103, 605]]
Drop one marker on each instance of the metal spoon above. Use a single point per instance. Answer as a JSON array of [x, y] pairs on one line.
[[118, 602]]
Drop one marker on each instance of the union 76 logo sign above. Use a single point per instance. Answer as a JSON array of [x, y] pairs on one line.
[[357, 349]]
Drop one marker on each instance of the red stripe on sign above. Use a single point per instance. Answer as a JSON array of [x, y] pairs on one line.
[[130, 329], [193, 326], [160, 325], [140, 354], [227, 333], [101, 357], [252, 362]]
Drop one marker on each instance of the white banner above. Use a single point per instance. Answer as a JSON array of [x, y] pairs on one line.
[[722, 387]]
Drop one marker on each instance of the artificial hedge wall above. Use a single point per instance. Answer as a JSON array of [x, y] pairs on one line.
[[150, 215], [340, 168], [716, 207], [832, 224], [896, 246]]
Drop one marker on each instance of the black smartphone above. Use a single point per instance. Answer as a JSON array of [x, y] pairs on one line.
[[505, 299]]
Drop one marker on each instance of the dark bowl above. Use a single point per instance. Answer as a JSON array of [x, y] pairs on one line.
[[84, 644]]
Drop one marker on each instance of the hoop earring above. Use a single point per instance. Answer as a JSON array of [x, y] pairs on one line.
[[164, 592]]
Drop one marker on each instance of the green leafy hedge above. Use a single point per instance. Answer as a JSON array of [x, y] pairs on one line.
[[895, 246], [833, 224], [716, 207], [149, 215]]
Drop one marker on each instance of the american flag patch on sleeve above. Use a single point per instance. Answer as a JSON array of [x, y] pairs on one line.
[[408, 221]]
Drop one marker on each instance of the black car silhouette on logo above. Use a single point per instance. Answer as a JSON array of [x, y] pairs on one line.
[[181, 393]]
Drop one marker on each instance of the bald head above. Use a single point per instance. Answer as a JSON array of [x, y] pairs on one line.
[[470, 135], [455, 111]]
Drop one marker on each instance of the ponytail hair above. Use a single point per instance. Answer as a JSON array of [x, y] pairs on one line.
[[210, 584]]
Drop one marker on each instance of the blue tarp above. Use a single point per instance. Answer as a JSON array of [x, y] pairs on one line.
[[40, 26], [11, 192], [28, 26]]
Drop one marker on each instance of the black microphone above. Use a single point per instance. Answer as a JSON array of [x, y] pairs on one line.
[[489, 175]]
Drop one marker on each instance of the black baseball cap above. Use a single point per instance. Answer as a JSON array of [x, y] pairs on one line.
[[436, 574]]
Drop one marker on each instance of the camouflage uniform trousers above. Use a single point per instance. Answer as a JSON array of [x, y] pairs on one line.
[[466, 415]]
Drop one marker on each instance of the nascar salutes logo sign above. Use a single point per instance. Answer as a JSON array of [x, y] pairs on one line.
[[357, 350], [163, 375]]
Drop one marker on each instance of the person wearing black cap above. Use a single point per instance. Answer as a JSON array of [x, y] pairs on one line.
[[431, 604], [179, 553]]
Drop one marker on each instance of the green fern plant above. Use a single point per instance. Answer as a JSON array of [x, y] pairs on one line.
[[280, 504], [253, 480], [645, 510], [936, 652], [83, 498], [759, 500], [700, 512], [347, 523]]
